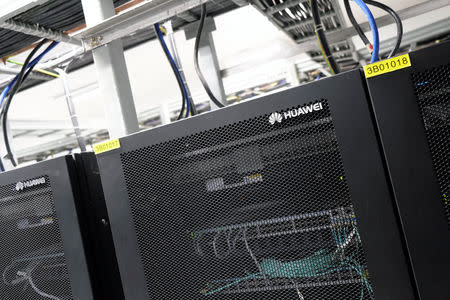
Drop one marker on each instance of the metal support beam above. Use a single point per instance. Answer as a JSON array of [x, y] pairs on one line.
[[164, 113], [138, 17], [112, 72], [288, 4], [39, 31], [292, 73], [188, 16], [207, 58], [240, 2], [259, 7], [308, 22]]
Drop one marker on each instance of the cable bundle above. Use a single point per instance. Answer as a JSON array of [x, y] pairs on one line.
[[187, 103], [374, 49], [12, 89], [321, 263]]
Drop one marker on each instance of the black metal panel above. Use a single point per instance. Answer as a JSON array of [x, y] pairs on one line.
[[41, 253], [95, 229], [432, 89], [412, 110], [249, 204]]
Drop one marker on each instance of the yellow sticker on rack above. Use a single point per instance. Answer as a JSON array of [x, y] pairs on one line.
[[107, 146], [388, 65]]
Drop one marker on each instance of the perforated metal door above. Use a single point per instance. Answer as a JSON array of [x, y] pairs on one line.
[[259, 209], [31, 253], [432, 89]]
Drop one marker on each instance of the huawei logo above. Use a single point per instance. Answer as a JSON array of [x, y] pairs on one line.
[[294, 113], [275, 117], [30, 183], [19, 186]]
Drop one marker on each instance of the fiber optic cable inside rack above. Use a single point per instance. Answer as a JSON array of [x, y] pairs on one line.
[[337, 264]]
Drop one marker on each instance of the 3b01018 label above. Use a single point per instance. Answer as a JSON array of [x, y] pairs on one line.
[[388, 65], [107, 146]]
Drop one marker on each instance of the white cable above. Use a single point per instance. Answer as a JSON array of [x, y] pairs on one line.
[[251, 252], [4, 274], [30, 280], [349, 239], [298, 291]]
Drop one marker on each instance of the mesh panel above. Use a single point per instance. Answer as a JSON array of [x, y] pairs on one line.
[[433, 93], [31, 252], [252, 210]]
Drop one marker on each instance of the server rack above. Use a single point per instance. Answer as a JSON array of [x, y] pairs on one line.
[[283, 197], [412, 109], [41, 254], [48, 218]]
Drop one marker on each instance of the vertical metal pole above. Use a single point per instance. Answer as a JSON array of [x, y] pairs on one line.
[[173, 49], [112, 74], [164, 113], [292, 73], [72, 112]]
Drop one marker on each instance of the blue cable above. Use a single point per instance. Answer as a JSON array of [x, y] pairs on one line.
[[373, 26], [7, 89], [172, 61]]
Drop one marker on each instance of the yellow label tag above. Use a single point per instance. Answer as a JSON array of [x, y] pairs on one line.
[[107, 146], [388, 65]]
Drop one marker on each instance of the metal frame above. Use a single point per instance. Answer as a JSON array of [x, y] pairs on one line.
[[411, 171], [365, 174], [112, 72], [39, 31], [133, 19]]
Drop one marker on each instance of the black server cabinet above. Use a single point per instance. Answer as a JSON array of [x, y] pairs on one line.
[[41, 249], [412, 109], [49, 216], [282, 197]]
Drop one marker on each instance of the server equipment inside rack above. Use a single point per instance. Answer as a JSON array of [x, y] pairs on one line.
[[283, 197], [412, 109], [42, 254]]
